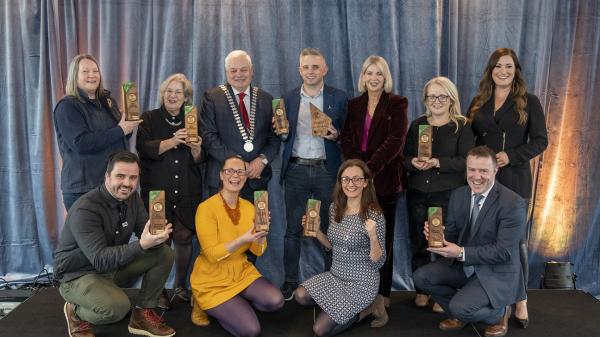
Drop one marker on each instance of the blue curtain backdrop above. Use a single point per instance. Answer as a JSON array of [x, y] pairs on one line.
[[145, 41]]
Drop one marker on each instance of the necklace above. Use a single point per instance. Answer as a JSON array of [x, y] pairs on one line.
[[232, 213]]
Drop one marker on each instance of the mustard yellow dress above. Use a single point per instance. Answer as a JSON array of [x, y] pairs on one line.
[[219, 275]]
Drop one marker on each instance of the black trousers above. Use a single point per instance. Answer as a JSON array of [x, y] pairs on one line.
[[418, 202], [388, 205]]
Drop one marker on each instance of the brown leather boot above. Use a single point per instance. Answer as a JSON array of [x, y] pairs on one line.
[[501, 327], [381, 316], [76, 326], [146, 322]]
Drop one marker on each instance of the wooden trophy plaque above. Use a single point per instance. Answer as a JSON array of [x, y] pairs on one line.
[[158, 218], [425, 141], [313, 208], [282, 126], [320, 121], [130, 102], [261, 211], [191, 124], [436, 227]]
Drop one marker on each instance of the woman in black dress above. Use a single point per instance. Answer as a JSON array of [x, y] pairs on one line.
[[511, 121], [171, 164]]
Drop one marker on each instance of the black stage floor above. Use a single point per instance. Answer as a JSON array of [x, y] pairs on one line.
[[554, 313]]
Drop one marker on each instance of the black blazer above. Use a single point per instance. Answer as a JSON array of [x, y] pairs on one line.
[[385, 139], [450, 147], [501, 132], [492, 247]]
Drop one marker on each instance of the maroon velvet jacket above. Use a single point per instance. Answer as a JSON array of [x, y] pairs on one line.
[[386, 139]]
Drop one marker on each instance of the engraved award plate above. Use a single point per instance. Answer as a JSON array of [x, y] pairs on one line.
[[436, 227], [261, 211], [191, 124], [313, 208], [158, 219], [130, 102], [425, 141], [320, 121], [282, 126]]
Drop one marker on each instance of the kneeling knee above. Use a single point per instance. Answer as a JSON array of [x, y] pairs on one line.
[[251, 331]]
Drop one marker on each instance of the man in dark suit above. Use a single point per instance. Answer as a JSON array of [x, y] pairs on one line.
[[235, 119], [479, 275], [309, 163]]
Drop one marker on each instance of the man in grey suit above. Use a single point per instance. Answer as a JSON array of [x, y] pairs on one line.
[[235, 119], [478, 277]]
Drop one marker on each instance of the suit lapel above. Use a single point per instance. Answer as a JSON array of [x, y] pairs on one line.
[[464, 211]]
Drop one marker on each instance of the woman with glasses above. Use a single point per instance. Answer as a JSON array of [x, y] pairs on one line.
[[171, 164], [374, 131], [356, 235], [511, 121], [431, 180], [224, 283]]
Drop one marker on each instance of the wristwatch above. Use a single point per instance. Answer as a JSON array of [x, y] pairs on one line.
[[461, 255], [264, 159]]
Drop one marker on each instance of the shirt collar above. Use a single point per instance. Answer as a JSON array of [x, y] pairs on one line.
[[110, 200], [303, 93], [484, 194], [235, 92]]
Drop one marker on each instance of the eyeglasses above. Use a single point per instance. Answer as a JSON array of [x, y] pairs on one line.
[[355, 180], [440, 98], [230, 172]]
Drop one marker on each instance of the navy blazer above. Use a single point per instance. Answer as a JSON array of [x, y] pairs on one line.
[[335, 105], [221, 137], [502, 132], [492, 247]]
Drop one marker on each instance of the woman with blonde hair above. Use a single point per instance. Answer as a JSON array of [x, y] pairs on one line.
[[89, 128], [172, 164], [431, 180], [374, 132]]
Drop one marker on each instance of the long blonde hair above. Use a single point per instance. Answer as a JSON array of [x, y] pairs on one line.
[[455, 112]]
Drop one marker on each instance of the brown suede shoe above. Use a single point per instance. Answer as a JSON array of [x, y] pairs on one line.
[[451, 324], [198, 316], [146, 322], [501, 327], [76, 326]]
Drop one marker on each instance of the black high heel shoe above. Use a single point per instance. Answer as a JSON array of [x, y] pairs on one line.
[[523, 322]]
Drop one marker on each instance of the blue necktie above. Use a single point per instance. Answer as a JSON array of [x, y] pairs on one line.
[[470, 270]]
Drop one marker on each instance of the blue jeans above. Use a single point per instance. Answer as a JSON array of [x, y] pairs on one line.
[[301, 183], [70, 198]]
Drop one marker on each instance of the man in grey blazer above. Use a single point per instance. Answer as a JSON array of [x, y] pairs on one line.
[[235, 119], [478, 277], [309, 164]]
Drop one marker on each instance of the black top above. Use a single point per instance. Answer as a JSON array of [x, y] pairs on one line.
[[501, 132], [173, 171], [449, 146], [87, 132], [95, 238]]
